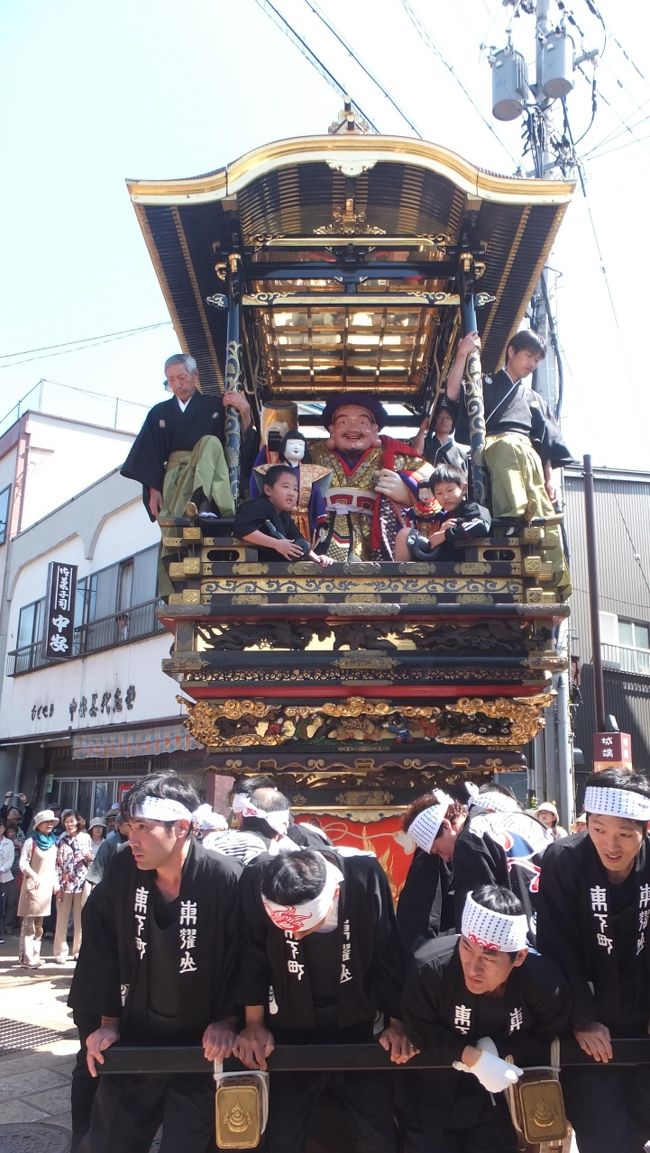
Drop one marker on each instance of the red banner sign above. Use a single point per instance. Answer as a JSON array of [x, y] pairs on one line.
[[612, 751]]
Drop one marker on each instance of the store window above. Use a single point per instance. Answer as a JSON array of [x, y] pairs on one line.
[[634, 646]]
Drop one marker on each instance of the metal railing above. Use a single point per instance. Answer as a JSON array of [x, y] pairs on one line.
[[628, 660], [119, 628]]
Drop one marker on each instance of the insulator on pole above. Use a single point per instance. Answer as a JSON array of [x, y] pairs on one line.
[[509, 84]]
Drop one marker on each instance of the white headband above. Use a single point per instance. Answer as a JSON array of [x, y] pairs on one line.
[[299, 918], [423, 830], [617, 803], [496, 932], [278, 820], [496, 801], [207, 819], [160, 809]]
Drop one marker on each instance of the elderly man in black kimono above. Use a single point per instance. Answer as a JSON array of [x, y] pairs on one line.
[[178, 456], [320, 958], [470, 1001], [156, 965], [594, 919]]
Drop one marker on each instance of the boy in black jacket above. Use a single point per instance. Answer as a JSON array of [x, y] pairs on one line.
[[266, 522], [459, 520]]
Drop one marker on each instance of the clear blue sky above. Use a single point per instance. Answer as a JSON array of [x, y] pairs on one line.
[[92, 94]]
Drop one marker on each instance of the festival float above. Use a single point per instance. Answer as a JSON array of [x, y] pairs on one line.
[[350, 264]]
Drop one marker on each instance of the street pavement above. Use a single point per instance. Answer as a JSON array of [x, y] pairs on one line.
[[38, 1042]]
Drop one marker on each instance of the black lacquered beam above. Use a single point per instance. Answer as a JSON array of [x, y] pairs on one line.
[[329, 1058]]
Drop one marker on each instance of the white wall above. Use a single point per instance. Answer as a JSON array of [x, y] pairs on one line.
[[100, 526], [64, 458], [56, 687]]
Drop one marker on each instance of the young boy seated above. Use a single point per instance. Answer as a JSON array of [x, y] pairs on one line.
[[266, 521], [459, 520], [470, 1001]]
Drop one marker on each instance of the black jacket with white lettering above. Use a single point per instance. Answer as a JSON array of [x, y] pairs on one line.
[[598, 933], [441, 1016], [112, 976], [367, 962]]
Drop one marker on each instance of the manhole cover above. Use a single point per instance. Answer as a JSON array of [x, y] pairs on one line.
[[34, 1137], [19, 1035]]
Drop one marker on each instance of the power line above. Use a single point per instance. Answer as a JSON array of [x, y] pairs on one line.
[[348, 48], [635, 552], [81, 345], [601, 260], [315, 60], [432, 46]]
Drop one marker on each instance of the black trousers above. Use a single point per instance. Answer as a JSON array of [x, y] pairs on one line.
[[366, 1099], [609, 1107], [83, 1087], [129, 1109], [432, 1119], [8, 907]]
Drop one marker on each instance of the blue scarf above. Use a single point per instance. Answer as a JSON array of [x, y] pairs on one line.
[[44, 841]]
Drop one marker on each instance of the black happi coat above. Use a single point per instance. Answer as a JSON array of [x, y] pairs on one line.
[[518, 408], [598, 933], [251, 516], [441, 1017], [112, 976], [448, 453], [364, 954], [499, 849], [425, 904]]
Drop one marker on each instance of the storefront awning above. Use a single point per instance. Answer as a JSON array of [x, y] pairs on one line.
[[148, 742]]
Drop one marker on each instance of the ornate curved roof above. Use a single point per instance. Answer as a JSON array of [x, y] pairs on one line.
[[349, 249]]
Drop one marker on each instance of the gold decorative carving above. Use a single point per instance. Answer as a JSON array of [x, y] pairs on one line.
[[502, 722]]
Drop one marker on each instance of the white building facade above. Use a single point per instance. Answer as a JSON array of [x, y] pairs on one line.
[[79, 730]]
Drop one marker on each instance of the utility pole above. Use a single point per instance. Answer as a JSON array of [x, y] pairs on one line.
[[514, 97]]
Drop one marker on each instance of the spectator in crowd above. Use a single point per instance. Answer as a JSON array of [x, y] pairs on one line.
[[550, 818], [38, 867], [593, 919], [7, 881], [21, 813], [97, 832], [73, 856], [11, 834], [111, 844]]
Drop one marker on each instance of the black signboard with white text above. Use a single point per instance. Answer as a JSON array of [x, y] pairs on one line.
[[59, 622]]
